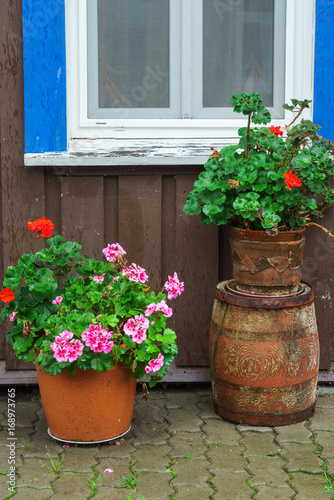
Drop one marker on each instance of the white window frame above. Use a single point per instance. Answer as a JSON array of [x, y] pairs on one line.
[[299, 63]]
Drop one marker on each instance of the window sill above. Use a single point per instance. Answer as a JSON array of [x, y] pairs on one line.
[[118, 152]]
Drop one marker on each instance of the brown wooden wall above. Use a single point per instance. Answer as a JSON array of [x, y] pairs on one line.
[[140, 207]]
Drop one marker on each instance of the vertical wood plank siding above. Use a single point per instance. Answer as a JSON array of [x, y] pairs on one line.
[[140, 207]]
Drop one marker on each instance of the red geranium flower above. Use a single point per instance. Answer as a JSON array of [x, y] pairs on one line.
[[291, 180], [7, 295], [42, 225], [276, 130]]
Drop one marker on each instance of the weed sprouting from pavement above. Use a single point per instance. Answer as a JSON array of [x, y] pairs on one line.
[[55, 464]]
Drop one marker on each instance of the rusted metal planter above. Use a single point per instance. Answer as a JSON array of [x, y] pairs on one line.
[[264, 356], [88, 407], [264, 264]]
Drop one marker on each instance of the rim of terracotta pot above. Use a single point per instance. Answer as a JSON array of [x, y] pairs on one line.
[[253, 234]]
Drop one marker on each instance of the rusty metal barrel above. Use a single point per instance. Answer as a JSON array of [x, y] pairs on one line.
[[264, 357]]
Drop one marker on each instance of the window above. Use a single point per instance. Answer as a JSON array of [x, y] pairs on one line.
[[168, 68]]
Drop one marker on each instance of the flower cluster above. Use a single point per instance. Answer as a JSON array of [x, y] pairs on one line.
[[135, 273], [43, 226], [136, 328], [276, 130], [155, 364], [66, 348], [174, 287], [68, 310], [274, 179], [99, 279], [291, 180], [111, 252], [160, 307], [98, 339]]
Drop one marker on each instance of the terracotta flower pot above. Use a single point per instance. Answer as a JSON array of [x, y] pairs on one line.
[[267, 265], [88, 406]]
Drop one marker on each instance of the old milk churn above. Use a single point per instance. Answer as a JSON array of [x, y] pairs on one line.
[[264, 348]]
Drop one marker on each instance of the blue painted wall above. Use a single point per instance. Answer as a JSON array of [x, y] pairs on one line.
[[44, 75], [324, 68]]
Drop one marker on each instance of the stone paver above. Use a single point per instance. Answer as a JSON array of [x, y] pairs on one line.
[[192, 492], [222, 457], [178, 448], [182, 400], [268, 471], [220, 431], [150, 434], [154, 486], [185, 444], [108, 493], [69, 485], [79, 459], [296, 433], [33, 494], [119, 466], [122, 450], [206, 409], [199, 472], [309, 487], [152, 458], [231, 486], [25, 415], [256, 444], [300, 457], [326, 440], [323, 420], [153, 411], [269, 493], [35, 472], [325, 402], [184, 420]]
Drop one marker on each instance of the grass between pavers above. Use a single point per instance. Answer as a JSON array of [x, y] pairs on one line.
[[328, 478]]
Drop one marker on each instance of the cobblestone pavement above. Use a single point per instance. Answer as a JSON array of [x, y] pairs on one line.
[[178, 448]]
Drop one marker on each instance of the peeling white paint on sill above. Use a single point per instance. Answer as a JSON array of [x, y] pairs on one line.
[[104, 152]]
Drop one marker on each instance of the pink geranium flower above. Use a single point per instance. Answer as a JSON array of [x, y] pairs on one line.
[[66, 348], [139, 336], [130, 327], [57, 300], [98, 339], [99, 279], [135, 273], [111, 252], [142, 321], [12, 316], [150, 309], [154, 365], [137, 328], [163, 307], [174, 287]]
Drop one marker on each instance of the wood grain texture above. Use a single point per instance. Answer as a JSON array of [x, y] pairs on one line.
[[264, 363], [140, 223], [82, 213], [22, 190], [196, 262]]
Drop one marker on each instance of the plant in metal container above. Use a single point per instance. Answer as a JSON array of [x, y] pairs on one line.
[[73, 315], [273, 179]]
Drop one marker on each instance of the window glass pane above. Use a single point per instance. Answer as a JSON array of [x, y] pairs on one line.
[[238, 50], [133, 53]]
